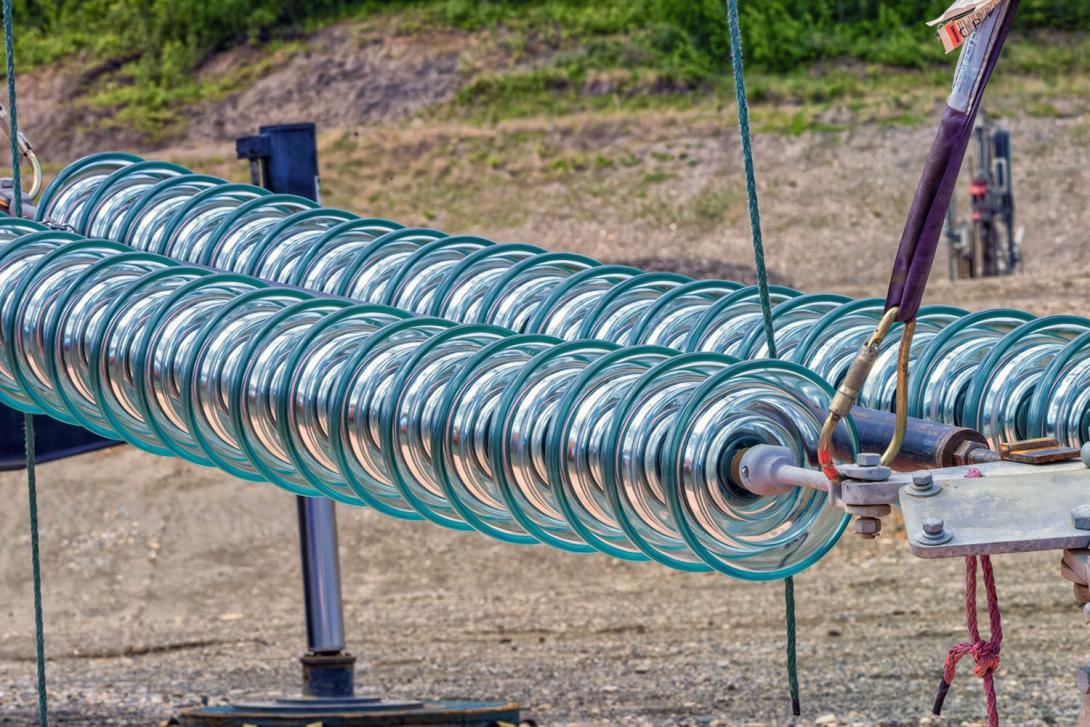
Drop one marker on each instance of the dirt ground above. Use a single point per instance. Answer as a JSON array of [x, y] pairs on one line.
[[167, 584]]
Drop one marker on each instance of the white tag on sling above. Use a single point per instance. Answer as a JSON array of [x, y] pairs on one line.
[[961, 20]]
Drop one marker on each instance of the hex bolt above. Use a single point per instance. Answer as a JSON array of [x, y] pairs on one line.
[[1082, 680], [923, 485], [922, 480], [933, 533], [868, 459], [1081, 517]]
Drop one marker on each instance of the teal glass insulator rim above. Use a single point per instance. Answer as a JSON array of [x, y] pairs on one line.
[[254, 205], [138, 208], [555, 449], [560, 293], [377, 247], [717, 288], [53, 323], [76, 167], [220, 190], [121, 174], [939, 310], [143, 351], [284, 401], [388, 416], [470, 263], [756, 338], [873, 306], [986, 370], [339, 404], [705, 326], [55, 239], [672, 485], [236, 393], [500, 288], [22, 225], [287, 226], [929, 357], [1044, 394], [552, 442], [499, 441], [94, 374], [16, 398], [377, 225], [20, 296], [442, 442], [425, 252], [701, 362], [640, 281], [262, 290]]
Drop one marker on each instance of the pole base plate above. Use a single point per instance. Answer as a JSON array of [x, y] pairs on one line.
[[351, 712]]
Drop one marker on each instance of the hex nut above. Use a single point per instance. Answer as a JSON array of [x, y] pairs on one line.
[[1081, 517], [963, 451], [868, 527], [1086, 612], [865, 473], [1086, 454], [868, 459]]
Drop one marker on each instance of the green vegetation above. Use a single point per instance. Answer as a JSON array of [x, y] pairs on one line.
[[561, 56], [165, 39]]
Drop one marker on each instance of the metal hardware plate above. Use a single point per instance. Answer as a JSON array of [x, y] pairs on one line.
[[1012, 509]]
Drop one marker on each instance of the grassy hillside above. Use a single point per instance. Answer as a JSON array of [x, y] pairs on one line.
[[813, 64], [163, 39]]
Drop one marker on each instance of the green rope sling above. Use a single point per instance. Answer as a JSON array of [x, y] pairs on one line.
[[28, 420], [762, 286]]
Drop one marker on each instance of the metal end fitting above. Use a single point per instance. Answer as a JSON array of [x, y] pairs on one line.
[[768, 471], [848, 391]]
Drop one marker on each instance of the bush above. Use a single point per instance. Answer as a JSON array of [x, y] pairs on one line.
[[163, 40]]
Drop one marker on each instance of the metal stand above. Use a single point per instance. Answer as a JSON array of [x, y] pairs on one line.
[[284, 159]]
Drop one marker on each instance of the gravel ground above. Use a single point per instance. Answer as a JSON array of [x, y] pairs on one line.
[[171, 585]]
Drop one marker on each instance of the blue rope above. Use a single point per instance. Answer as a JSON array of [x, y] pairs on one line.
[[28, 420], [766, 301]]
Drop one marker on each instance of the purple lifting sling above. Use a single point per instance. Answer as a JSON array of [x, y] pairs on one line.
[[920, 239]]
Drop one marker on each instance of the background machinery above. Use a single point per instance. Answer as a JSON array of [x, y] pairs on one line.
[[987, 244]]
